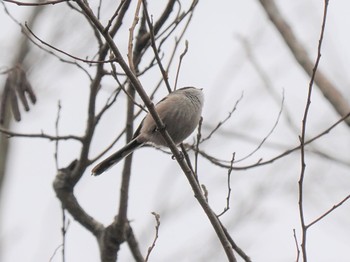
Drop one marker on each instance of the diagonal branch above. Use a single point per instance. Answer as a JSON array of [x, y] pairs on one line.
[[149, 104], [64, 190], [334, 207]]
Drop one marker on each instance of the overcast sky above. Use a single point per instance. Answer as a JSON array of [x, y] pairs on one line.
[[264, 201]]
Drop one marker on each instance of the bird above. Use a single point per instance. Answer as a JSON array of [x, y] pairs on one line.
[[180, 111]]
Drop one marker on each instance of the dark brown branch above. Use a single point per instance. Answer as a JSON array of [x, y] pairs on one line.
[[116, 14], [133, 245], [17, 88]]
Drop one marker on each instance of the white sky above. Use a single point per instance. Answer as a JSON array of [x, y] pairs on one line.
[[263, 210]]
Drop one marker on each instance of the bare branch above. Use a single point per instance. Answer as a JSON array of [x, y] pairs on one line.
[[57, 132], [65, 225], [116, 14], [63, 186], [133, 245], [302, 141], [329, 211], [268, 84], [65, 53], [225, 163], [223, 121], [180, 62], [296, 245], [55, 252], [198, 139], [236, 248], [268, 134], [41, 135], [157, 217], [131, 37], [228, 187], [154, 47]]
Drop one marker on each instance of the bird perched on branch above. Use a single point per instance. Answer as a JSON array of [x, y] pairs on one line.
[[180, 112]]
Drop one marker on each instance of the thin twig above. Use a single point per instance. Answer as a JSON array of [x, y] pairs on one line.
[[65, 53], [122, 86], [225, 163], [302, 141], [180, 62], [157, 217], [228, 187], [198, 139], [223, 121], [296, 245], [131, 37], [267, 82], [268, 134], [116, 13], [154, 47], [55, 252], [41, 135], [28, 35], [329, 211], [57, 132]]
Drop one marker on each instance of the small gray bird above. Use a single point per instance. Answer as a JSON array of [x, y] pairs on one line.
[[180, 111]]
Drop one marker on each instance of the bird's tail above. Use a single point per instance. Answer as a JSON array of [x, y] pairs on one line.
[[116, 157]]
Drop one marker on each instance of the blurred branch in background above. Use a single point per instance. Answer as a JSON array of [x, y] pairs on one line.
[[17, 85], [329, 90]]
